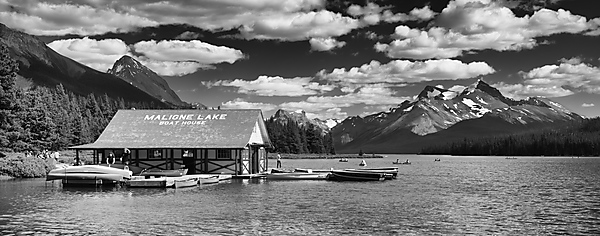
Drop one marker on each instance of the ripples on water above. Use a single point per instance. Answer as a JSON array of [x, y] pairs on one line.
[[457, 196]]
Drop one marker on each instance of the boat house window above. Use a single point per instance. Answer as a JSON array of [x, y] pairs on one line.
[[157, 153], [223, 154]]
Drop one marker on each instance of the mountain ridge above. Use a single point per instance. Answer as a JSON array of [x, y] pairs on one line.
[[39, 65], [435, 111]]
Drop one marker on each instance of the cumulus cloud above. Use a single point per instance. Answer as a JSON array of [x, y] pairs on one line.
[[47, 17], [300, 26], [169, 57], [325, 44], [239, 103], [569, 77], [479, 25], [403, 71], [372, 14], [97, 54], [588, 105], [275, 86]]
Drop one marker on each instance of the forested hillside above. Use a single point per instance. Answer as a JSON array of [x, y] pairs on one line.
[[577, 139], [49, 118], [290, 137]]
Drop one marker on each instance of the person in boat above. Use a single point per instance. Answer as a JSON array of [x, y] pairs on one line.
[[278, 160], [407, 161]]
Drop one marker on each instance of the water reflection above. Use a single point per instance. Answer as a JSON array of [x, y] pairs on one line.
[[456, 196]]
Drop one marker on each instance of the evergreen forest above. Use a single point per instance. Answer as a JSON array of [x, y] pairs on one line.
[[42, 118], [290, 137], [575, 139]]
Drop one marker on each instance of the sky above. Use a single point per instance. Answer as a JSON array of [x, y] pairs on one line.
[[332, 59]]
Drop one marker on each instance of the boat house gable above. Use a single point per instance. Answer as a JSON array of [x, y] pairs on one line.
[[139, 129]]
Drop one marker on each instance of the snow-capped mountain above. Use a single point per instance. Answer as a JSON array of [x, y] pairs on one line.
[[478, 110], [145, 79]]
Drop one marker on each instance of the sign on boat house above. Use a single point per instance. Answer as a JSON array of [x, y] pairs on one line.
[[203, 141]]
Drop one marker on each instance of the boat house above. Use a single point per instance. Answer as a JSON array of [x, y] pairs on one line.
[[203, 141]]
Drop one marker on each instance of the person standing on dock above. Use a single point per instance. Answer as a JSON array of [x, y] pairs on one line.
[[278, 160], [111, 159]]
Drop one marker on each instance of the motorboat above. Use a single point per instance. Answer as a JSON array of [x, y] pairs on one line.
[[134, 169], [343, 160], [165, 173], [350, 175], [297, 176], [389, 172]]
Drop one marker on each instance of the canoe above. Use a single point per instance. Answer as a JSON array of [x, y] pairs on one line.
[[347, 175], [165, 173], [401, 163], [274, 170], [184, 183], [296, 176], [87, 172], [209, 180]]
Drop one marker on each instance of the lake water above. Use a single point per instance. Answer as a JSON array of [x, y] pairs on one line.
[[456, 196]]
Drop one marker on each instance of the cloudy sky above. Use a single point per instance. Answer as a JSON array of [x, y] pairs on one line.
[[332, 59]]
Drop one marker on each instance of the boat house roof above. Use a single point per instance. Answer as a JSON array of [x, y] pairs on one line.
[[145, 129]]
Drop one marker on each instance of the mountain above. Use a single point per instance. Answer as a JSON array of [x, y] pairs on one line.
[[39, 65], [283, 116], [438, 116], [145, 79]]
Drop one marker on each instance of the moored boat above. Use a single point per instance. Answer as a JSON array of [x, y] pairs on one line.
[[208, 180], [161, 182], [348, 175], [164, 173], [186, 182], [297, 176], [89, 172], [389, 172], [136, 170], [407, 162]]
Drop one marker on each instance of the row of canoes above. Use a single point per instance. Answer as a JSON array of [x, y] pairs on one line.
[[363, 174]]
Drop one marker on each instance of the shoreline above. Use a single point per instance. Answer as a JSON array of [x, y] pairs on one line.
[[324, 156]]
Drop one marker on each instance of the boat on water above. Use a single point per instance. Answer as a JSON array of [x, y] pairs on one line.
[[398, 162], [348, 175], [389, 172], [363, 163], [297, 176], [343, 160], [164, 173], [160, 182], [89, 174], [208, 180], [510, 158], [185, 183], [437, 159], [312, 170], [275, 170]]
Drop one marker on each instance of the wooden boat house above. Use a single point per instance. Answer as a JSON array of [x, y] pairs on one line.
[[203, 141]]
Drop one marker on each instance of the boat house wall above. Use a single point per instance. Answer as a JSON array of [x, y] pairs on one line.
[[203, 141]]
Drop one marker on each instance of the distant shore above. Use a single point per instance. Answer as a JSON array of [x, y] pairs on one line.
[[324, 156]]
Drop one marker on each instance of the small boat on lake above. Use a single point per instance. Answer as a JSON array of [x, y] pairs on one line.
[[312, 170], [437, 159], [89, 174], [208, 180], [160, 182], [275, 170], [134, 169], [398, 162], [349, 175], [343, 160], [389, 172], [363, 163], [297, 176], [185, 183], [164, 173]]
